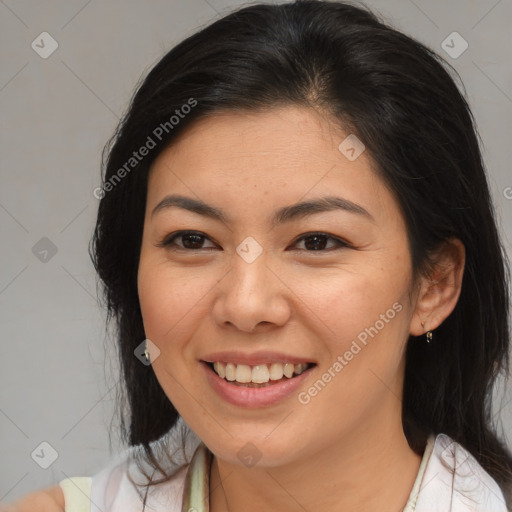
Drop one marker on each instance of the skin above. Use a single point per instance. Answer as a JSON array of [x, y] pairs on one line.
[[292, 299], [345, 450], [47, 500]]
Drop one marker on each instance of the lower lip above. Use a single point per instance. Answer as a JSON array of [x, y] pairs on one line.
[[254, 397]]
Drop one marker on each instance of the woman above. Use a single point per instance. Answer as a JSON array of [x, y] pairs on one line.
[[298, 247]]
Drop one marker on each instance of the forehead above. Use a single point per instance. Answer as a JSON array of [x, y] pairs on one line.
[[258, 159], [287, 133]]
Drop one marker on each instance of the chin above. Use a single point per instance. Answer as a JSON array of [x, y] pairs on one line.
[[250, 452]]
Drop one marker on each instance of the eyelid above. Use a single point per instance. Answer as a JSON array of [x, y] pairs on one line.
[[340, 241], [167, 241]]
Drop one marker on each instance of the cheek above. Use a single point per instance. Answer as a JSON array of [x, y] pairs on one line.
[[365, 319], [343, 303], [362, 319], [171, 299]]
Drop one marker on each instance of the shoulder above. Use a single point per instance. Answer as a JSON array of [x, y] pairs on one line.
[[46, 500], [453, 476]]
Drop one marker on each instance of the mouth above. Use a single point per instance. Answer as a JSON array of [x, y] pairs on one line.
[[258, 376]]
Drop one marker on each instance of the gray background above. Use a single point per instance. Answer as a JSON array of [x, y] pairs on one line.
[[58, 371]]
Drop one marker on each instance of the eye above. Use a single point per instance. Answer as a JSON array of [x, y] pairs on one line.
[[315, 242], [194, 240], [191, 240]]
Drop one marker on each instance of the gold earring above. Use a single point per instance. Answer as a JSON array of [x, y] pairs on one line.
[[428, 333]]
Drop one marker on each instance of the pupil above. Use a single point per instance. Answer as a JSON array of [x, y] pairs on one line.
[[315, 244], [196, 244]]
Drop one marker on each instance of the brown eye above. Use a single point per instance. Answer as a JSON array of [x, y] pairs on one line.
[[194, 240], [319, 241], [190, 240]]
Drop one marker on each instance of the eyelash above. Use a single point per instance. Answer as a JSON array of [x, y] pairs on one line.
[[168, 241]]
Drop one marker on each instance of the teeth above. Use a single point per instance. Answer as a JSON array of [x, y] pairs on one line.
[[299, 368], [220, 369], [230, 371], [243, 373], [259, 374], [288, 370], [276, 371]]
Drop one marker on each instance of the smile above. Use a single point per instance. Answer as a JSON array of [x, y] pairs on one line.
[[263, 384], [258, 374]]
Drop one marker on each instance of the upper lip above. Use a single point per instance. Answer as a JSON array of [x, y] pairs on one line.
[[255, 358]]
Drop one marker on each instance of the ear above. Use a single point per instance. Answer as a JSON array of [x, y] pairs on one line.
[[440, 290]]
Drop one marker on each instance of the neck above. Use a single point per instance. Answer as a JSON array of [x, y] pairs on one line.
[[373, 467]]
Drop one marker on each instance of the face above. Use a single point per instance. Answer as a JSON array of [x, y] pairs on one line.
[[322, 293]]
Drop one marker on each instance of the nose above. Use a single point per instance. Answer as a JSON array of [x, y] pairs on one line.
[[252, 296]]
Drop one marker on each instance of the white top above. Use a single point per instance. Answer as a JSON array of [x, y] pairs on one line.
[[436, 488]]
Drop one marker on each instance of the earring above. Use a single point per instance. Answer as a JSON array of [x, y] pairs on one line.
[[428, 333], [146, 352]]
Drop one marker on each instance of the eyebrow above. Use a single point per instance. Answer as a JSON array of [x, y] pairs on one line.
[[282, 215]]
